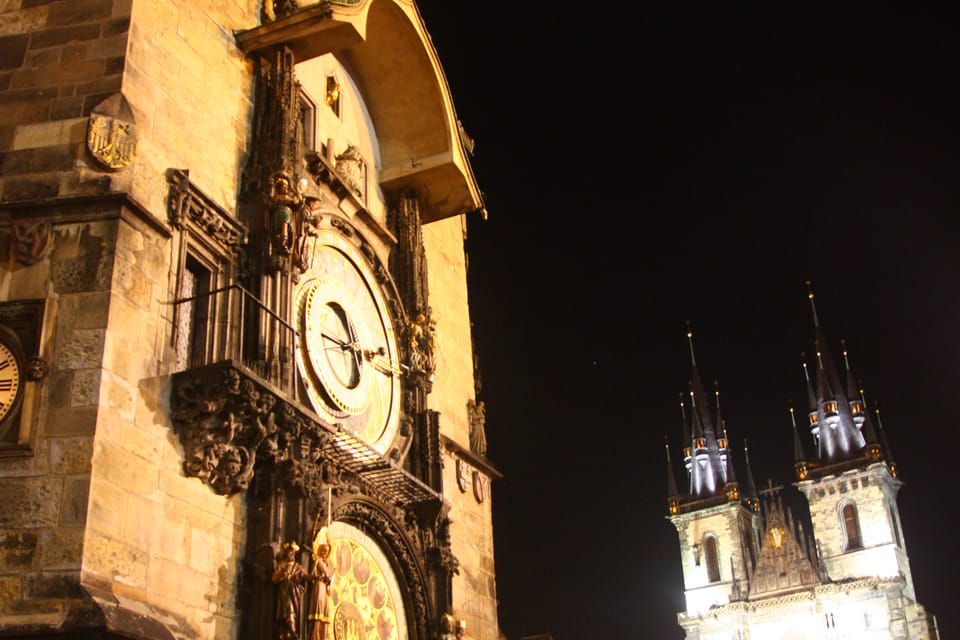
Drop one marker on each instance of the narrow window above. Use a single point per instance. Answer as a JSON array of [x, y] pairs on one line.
[[713, 560], [192, 314], [851, 526], [308, 129]]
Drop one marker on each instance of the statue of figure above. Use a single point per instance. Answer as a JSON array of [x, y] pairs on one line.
[[422, 334], [322, 576], [285, 200], [447, 627], [291, 578], [478, 435]]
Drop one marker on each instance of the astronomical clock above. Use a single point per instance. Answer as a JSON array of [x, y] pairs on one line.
[[319, 417]]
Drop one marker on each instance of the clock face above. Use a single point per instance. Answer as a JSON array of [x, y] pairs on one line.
[[347, 352], [11, 379]]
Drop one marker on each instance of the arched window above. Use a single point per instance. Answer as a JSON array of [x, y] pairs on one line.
[[851, 526], [712, 557]]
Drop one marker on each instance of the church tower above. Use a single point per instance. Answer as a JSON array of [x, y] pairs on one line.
[[753, 570], [851, 481], [715, 520]]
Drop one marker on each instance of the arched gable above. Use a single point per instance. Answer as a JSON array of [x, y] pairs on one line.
[[392, 60]]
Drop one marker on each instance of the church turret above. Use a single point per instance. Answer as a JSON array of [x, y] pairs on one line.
[[709, 451], [750, 491], [799, 457], [837, 434], [672, 492], [850, 490]]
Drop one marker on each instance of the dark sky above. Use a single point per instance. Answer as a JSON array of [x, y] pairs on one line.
[[645, 169]]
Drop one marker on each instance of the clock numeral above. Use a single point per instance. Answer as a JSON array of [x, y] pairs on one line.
[[4, 364], [6, 385]]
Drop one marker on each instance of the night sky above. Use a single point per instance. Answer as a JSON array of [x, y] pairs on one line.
[[644, 169]]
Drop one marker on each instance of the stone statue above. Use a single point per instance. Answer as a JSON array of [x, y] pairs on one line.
[[285, 200], [423, 343], [291, 579], [319, 616], [478, 435]]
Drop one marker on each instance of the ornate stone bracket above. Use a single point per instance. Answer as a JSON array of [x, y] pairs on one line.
[[230, 421]]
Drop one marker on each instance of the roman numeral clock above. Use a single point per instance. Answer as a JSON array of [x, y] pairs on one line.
[[12, 370]]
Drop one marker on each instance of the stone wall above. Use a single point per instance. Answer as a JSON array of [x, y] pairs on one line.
[[873, 492], [58, 60], [474, 589]]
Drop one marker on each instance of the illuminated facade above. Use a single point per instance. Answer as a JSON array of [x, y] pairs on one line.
[[751, 570], [237, 380]]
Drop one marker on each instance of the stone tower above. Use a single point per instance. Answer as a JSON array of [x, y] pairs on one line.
[[845, 573], [715, 521], [237, 381]]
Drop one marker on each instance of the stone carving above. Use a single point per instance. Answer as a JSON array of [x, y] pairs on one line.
[[275, 9], [222, 429], [352, 170], [422, 344], [291, 580], [191, 208], [112, 133], [31, 240], [478, 435], [291, 225]]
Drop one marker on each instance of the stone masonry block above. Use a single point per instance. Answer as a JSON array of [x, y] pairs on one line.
[[30, 502], [61, 548], [85, 388], [40, 134], [10, 588], [113, 560], [70, 456], [30, 187], [80, 348], [76, 494], [62, 35], [13, 49], [117, 465], [78, 11], [64, 584], [108, 503], [18, 551], [71, 421]]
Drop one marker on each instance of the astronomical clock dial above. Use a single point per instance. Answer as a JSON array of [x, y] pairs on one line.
[[366, 600], [347, 354], [11, 376]]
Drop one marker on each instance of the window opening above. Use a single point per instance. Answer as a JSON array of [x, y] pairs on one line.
[[192, 314], [712, 557], [851, 526]]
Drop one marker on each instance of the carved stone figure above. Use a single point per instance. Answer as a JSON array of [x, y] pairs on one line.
[[319, 615], [285, 199], [291, 579], [478, 435], [423, 343]]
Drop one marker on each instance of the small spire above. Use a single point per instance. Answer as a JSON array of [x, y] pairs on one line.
[[798, 454], [672, 491], [813, 306], [851, 385], [869, 435], [751, 485], [693, 358], [720, 421], [685, 434], [883, 439], [811, 396]]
